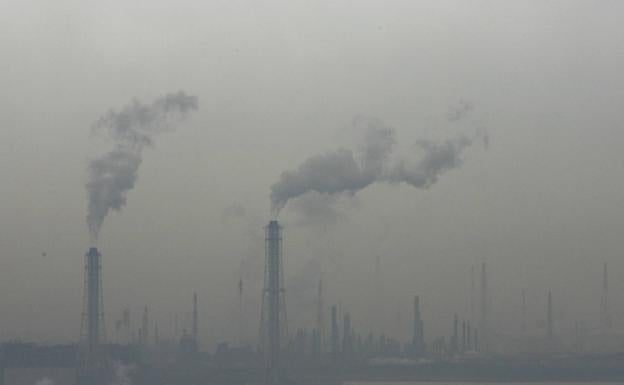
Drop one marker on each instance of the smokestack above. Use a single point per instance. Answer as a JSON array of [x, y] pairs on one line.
[[472, 294], [524, 309], [550, 327], [455, 339], [484, 309], [241, 313], [463, 337], [605, 315], [418, 341], [126, 324], [145, 328], [346, 338], [93, 329], [320, 321], [273, 317], [195, 330], [334, 332]]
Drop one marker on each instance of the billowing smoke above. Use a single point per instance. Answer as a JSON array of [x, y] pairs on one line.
[[339, 171], [436, 159], [343, 172], [112, 175]]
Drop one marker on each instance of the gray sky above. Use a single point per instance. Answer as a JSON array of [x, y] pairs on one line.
[[282, 81]]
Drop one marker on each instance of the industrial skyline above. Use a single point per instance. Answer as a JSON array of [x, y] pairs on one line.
[[329, 183]]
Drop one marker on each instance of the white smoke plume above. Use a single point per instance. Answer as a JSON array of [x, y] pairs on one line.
[[436, 159], [112, 175], [341, 172]]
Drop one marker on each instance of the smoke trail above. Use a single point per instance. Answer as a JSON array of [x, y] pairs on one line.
[[112, 175], [437, 158], [339, 172]]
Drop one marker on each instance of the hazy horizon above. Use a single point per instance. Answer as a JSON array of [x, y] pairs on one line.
[[537, 195]]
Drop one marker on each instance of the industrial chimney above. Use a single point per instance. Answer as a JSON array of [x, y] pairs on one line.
[[195, 330], [418, 340], [92, 327], [273, 316]]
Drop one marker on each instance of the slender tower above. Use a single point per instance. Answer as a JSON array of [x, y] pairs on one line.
[[418, 341], [92, 329], [320, 324], [346, 338], [195, 330], [550, 332], [524, 309], [126, 324], [605, 313], [455, 338], [334, 333], [241, 313], [472, 294], [484, 310], [273, 316], [145, 328]]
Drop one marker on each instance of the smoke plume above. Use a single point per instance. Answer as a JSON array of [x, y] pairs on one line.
[[343, 172], [112, 175], [436, 159], [338, 171]]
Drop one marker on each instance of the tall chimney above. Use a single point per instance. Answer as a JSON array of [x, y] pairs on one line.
[[273, 317], [334, 332], [145, 327], [605, 314], [195, 330], [418, 341], [484, 310], [550, 327], [93, 330], [320, 319]]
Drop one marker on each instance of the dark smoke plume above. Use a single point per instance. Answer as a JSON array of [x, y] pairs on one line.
[[341, 172], [112, 175]]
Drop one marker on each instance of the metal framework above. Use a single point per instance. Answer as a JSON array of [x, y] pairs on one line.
[[273, 329], [93, 330]]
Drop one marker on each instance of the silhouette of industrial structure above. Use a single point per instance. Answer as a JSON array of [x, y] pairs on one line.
[[473, 346], [273, 323], [93, 329]]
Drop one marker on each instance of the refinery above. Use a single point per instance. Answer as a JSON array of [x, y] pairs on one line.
[[311, 192], [332, 352]]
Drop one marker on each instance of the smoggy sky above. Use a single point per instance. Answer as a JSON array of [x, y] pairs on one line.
[[277, 83]]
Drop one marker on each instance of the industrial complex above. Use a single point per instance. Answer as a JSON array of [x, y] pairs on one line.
[[334, 351]]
